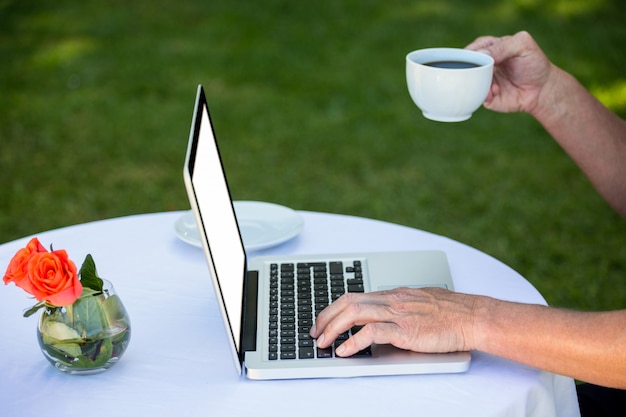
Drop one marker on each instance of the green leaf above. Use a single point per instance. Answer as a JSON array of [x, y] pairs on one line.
[[34, 309], [115, 311], [97, 354], [71, 349], [87, 292], [89, 318], [59, 332], [89, 276]]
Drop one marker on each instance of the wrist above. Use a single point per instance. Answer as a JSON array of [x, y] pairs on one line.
[[552, 100], [483, 311]]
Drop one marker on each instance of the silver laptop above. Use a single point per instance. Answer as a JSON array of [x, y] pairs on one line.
[[269, 303]]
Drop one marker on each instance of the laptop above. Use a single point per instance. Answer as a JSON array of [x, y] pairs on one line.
[[268, 304]]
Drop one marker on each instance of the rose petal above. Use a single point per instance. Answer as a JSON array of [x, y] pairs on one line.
[[17, 269]]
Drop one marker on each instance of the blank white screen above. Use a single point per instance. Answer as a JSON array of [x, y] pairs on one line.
[[220, 224]]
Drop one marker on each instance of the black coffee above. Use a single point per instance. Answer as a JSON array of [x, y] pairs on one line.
[[452, 64]]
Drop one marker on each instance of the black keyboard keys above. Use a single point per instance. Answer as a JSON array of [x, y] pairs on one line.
[[298, 293]]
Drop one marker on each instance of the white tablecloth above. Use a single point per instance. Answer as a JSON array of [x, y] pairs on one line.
[[178, 363]]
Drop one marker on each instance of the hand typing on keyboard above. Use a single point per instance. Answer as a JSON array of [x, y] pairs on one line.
[[422, 320]]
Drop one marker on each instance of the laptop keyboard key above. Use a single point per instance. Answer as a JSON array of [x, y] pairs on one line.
[[324, 353], [306, 353], [367, 352], [336, 267], [356, 288]]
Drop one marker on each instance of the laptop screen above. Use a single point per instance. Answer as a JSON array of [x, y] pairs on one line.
[[214, 209]]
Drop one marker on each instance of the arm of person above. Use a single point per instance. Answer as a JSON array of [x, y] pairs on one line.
[[589, 346], [586, 346], [593, 136]]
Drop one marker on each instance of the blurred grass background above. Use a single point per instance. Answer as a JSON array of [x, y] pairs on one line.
[[310, 103]]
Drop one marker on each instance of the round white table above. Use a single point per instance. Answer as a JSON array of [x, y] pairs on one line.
[[178, 362]]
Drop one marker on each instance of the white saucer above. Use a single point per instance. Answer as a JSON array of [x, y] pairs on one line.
[[262, 225]]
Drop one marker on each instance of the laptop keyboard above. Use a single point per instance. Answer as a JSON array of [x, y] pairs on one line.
[[298, 293]]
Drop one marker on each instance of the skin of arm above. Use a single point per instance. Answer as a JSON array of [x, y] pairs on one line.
[[590, 346]]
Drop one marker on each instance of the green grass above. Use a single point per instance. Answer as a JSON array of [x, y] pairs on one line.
[[310, 104]]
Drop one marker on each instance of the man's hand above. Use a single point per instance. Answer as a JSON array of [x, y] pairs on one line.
[[521, 72], [421, 320]]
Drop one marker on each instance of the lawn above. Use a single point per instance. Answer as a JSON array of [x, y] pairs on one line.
[[310, 103]]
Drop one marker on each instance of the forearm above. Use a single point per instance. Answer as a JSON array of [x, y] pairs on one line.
[[586, 346], [593, 136]]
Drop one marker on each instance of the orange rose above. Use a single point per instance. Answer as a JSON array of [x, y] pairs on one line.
[[17, 269], [52, 277], [48, 276]]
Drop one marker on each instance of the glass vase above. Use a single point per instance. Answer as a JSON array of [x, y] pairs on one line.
[[88, 336]]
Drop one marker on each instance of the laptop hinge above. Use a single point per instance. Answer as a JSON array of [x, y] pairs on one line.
[[248, 339]]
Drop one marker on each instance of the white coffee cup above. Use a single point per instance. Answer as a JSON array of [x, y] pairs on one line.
[[448, 94]]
